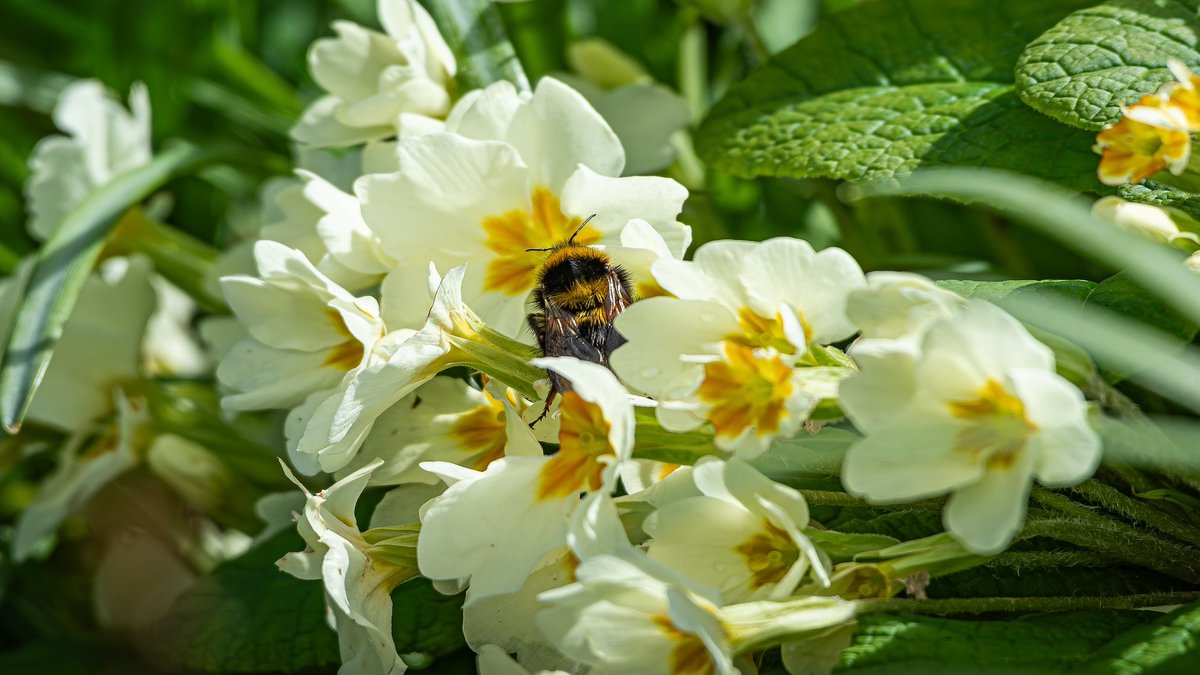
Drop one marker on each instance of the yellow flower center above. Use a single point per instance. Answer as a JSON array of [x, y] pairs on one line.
[[344, 355], [759, 331], [509, 235], [1131, 151], [689, 656], [582, 441], [769, 554], [746, 391], [482, 431], [998, 429]]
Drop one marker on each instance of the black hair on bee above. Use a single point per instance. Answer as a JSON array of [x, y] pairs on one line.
[[580, 290]]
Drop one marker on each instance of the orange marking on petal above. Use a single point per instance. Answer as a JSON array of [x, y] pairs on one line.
[[482, 431], [746, 391], [1132, 151], [344, 355], [689, 656], [508, 235], [997, 429], [582, 441]]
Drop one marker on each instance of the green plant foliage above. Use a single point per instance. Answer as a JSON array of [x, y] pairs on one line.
[[1048, 643], [1169, 644], [1082, 70], [248, 617], [886, 87]]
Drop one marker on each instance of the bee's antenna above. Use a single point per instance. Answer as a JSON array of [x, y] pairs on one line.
[[569, 239], [580, 228]]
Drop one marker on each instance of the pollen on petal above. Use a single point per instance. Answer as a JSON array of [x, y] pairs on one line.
[[769, 554], [344, 355]]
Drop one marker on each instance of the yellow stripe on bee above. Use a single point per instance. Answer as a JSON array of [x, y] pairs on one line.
[[574, 251], [586, 292]]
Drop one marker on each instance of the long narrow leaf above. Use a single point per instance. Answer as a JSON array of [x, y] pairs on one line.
[[1061, 215], [62, 266], [476, 35]]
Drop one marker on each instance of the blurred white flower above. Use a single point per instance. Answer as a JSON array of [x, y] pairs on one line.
[[306, 332], [976, 409], [495, 526], [104, 140], [358, 586], [724, 349], [1149, 221], [518, 172], [494, 661], [171, 346], [87, 462], [644, 114], [101, 346], [379, 84], [742, 535]]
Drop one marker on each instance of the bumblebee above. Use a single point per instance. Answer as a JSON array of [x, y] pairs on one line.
[[580, 290]]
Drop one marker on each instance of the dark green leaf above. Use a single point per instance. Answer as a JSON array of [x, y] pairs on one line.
[[1044, 643], [248, 617], [1015, 582], [1170, 644], [886, 87], [1081, 70], [1120, 294], [1149, 192]]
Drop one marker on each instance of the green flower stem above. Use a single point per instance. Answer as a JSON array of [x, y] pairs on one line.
[[655, 443], [1134, 509], [1121, 542], [1033, 560], [950, 606], [693, 65], [184, 260]]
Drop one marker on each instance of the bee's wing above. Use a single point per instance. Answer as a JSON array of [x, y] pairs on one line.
[[615, 302], [565, 337]]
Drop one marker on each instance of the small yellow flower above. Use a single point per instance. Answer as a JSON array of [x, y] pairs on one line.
[[1132, 150]]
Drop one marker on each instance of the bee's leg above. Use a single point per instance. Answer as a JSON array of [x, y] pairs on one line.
[[549, 400]]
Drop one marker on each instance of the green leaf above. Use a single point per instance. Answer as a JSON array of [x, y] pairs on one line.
[[1169, 644], [1042, 643], [1080, 71], [475, 33], [63, 265], [1122, 295], [886, 87], [904, 525], [1012, 581], [248, 617], [998, 291], [1157, 194]]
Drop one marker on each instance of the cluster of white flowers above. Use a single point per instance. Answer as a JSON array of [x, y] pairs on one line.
[[576, 546], [591, 556]]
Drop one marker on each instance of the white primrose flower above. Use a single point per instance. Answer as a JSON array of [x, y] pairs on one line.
[[306, 332], [378, 84], [724, 349], [358, 585], [898, 306], [326, 431], [104, 140], [446, 419], [975, 409], [628, 614], [495, 661], [495, 526], [325, 223], [1152, 222], [516, 173], [88, 461], [743, 535]]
